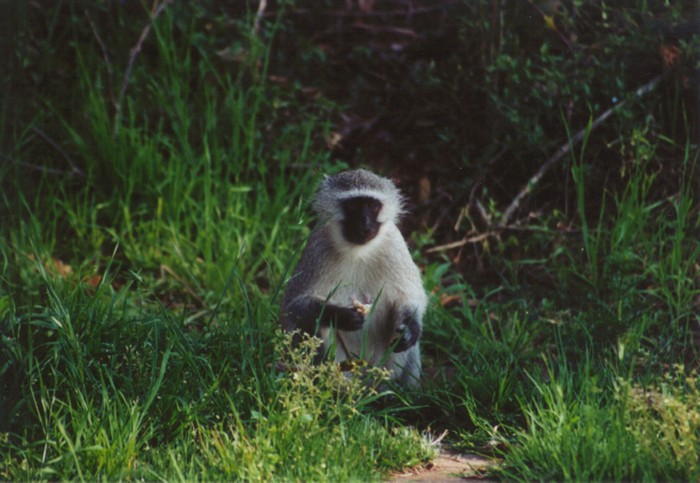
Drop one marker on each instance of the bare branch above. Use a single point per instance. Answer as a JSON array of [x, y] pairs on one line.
[[136, 49], [106, 57], [562, 151], [74, 167], [36, 167], [259, 15], [460, 243]]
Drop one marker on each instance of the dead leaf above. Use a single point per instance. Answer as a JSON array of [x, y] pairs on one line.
[[93, 281], [424, 189], [449, 300], [60, 268], [670, 54]]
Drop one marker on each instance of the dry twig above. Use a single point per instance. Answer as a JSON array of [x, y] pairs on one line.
[[110, 75], [259, 15], [36, 167], [74, 170], [461, 243]]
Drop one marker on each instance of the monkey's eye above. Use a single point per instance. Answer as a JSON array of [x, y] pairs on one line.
[[375, 207]]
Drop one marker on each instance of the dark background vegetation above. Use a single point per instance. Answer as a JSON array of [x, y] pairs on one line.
[[460, 102], [196, 139]]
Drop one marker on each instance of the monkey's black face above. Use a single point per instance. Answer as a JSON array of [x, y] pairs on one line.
[[360, 223]]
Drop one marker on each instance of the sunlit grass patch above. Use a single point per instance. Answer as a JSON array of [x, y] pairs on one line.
[[576, 431], [664, 420]]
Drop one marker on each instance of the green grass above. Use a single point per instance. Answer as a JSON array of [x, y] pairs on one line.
[[139, 302], [110, 392], [576, 430], [550, 373], [140, 278]]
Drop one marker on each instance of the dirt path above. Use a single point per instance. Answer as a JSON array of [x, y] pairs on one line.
[[449, 466]]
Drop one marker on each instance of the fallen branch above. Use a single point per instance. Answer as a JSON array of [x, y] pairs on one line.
[[562, 151], [461, 243], [157, 10], [36, 167], [476, 238]]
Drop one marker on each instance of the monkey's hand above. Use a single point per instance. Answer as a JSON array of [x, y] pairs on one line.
[[364, 309], [409, 332], [345, 318], [310, 313]]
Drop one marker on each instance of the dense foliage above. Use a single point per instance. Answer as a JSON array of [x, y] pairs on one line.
[[156, 167]]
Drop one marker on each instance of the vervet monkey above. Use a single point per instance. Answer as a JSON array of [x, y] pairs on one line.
[[356, 286]]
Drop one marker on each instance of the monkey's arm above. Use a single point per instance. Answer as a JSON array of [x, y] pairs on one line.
[[311, 313], [409, 329]]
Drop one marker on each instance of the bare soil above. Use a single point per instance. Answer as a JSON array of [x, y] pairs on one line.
[[449, 466]]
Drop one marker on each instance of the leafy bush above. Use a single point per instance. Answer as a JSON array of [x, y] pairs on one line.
[[664, 420]]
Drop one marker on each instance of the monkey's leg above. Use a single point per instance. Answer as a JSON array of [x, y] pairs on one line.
[[409, 330], [410, 367]]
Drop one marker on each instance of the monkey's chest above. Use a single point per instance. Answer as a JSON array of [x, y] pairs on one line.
[[357, 284]]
